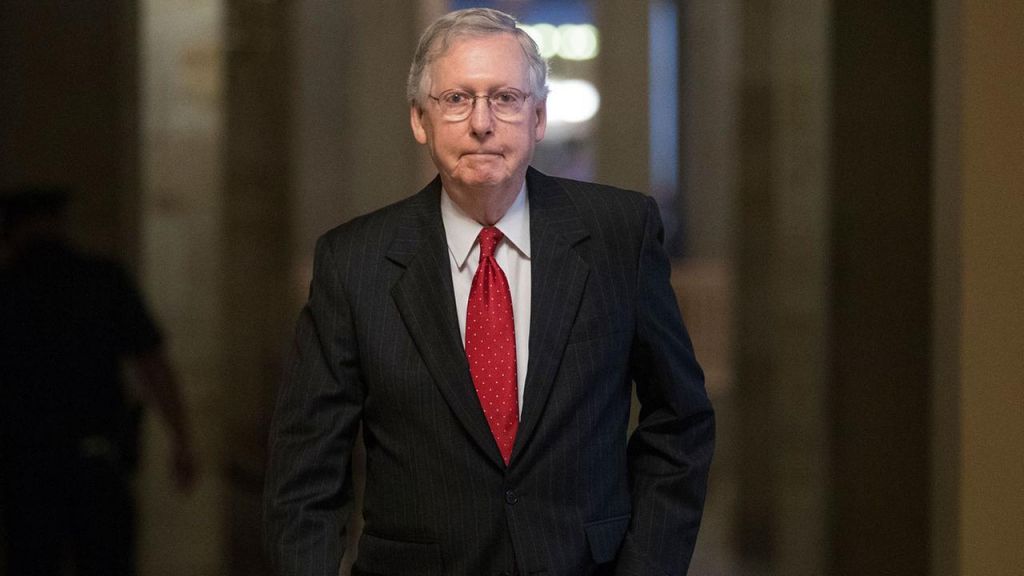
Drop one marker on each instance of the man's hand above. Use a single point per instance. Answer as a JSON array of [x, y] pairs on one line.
[[161, 389]]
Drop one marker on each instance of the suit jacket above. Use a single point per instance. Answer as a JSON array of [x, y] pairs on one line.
[[378, 344]]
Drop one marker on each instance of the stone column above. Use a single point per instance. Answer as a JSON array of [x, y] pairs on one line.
[[881, 293], [181, 112], [946, 281], [256, 248], [978, 434], [622, 126], [353, 149], [710, 40], [782, 272]]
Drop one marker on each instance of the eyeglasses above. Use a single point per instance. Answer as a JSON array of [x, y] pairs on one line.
[[457, 105]]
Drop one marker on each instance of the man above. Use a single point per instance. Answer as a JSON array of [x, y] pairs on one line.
[[485, 332], [68, 432]]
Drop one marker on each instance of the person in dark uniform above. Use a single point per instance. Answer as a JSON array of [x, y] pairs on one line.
[[68, 430]]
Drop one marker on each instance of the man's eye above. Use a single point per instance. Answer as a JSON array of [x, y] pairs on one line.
[[456, 98], [506, 97]]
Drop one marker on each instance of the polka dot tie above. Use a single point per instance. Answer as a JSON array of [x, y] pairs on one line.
[[491, 344]]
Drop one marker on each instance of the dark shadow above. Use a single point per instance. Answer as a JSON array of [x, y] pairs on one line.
[[68, 427]]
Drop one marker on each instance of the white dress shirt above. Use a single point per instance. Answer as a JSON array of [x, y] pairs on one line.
[[512, 255]]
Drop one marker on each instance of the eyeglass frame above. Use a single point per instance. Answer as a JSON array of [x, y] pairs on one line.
[[525, 96]]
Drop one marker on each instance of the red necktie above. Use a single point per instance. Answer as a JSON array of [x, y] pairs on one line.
[[491, 345]]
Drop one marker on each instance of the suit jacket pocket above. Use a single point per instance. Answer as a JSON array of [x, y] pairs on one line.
[[381, 556], [605, 537]]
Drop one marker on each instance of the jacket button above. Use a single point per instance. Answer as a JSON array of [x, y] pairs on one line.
[[510, 497]]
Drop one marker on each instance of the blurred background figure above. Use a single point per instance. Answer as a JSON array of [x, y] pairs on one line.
[[69, 425]]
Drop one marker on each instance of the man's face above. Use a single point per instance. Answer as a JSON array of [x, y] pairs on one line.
[[481, 154]]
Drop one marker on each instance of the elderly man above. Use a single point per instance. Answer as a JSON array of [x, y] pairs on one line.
[[486, 333]]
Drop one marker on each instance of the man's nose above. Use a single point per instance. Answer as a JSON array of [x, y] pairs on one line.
[[481, 120]]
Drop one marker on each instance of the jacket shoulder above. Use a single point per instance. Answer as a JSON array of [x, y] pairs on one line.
[[373, 232], [597, 191], [608, 209]]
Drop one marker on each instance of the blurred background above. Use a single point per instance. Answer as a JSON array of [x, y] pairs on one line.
[[841, 183]]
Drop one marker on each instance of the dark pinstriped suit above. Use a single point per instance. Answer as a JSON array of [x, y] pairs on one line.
[[379, 343]]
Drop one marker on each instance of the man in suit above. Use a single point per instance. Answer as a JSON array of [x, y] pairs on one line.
[[486, 333]]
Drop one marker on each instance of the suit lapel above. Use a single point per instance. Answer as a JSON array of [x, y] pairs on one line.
[[559, 276], [424, 297]]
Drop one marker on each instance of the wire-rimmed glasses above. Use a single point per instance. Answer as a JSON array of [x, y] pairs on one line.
[[457, 105]]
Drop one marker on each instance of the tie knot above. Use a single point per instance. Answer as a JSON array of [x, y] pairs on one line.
[[489, 238]]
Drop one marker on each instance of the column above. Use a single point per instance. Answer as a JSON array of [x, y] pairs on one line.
[[978, 303], [256, 252], [782, 267], [181, 230], [881, 270], [622, 129]]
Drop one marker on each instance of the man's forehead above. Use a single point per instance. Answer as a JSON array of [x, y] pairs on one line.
[[443, 46], [478, 43], [461, 53]]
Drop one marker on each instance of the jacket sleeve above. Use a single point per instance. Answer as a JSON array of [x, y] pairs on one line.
[[308, 492], [670, 450]]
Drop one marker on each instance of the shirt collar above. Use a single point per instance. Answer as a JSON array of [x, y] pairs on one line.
[[461, 230]]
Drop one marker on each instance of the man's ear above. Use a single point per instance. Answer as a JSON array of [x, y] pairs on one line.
[[416, 121], [542, 120]]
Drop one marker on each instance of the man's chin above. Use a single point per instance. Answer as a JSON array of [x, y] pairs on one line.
[[483, 181]]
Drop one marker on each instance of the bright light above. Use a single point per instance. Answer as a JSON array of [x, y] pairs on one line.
[[572, 101], [546, 36], [568, 41], [577, 41]]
